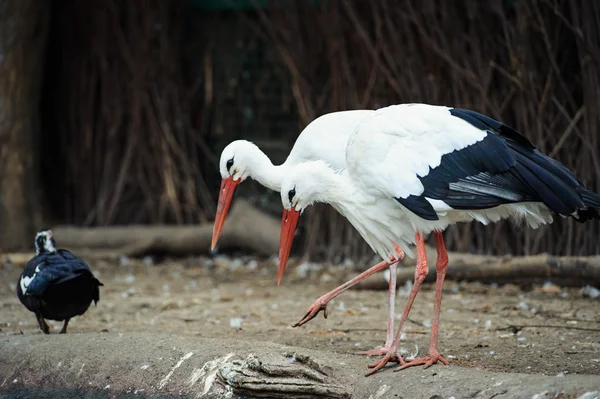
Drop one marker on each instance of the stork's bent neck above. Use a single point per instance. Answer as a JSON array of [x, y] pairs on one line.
[[263, 171]]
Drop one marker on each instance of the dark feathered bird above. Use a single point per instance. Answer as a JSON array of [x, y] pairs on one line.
[[55, 284]]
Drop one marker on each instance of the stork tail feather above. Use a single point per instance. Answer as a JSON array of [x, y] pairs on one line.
[[592, 206]]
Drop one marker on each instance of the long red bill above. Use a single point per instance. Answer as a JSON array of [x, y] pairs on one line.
[[288, 228], [226, 192]]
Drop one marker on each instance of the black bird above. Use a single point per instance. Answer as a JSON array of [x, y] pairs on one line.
[[55, 284]]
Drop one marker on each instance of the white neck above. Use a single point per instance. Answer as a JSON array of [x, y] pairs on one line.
[[263, 171], [337, 189]]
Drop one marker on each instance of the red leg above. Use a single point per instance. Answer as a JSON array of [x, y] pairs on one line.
[[380, 351], [420, 274], [441, 265], [321, 303]]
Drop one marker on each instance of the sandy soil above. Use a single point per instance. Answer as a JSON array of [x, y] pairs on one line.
[[542, 330]]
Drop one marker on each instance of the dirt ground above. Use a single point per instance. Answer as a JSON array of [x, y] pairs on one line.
[[545, 330]]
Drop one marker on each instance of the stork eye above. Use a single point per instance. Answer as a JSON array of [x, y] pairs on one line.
[[291, 194], [229, 164]]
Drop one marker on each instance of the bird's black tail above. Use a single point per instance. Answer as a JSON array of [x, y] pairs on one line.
[[592, 206]]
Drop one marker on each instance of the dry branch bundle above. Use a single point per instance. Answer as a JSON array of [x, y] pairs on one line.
[[123, 102], [534, 65]]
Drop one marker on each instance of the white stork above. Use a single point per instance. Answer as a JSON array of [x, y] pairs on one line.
[[325, 139], [413, 169]]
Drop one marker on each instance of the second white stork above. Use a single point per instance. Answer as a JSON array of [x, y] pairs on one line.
[[414, 169]]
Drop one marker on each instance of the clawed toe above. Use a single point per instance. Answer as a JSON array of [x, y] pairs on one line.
[[428, 361], [312, 312], [389, 357]]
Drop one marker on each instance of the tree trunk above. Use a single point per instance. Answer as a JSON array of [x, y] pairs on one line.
[[23, 32]]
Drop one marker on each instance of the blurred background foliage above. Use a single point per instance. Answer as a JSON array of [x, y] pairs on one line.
[[138, 98]]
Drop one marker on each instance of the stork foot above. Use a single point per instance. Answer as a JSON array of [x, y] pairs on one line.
[[319, 305], [390, 356], [432, 358]]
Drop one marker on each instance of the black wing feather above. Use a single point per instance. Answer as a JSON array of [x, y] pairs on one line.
[[484, 122], [502, 168], [419, 206], [54, 268]]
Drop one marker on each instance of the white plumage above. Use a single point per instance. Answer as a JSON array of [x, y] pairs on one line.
[[323, 139], [413, 169]]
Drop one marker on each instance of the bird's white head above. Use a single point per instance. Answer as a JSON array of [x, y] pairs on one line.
[[235, 166], [304, 185], [237, 159], [44, 242]]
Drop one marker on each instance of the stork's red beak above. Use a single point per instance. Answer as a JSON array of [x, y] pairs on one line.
[[288, 228], [226, 192]]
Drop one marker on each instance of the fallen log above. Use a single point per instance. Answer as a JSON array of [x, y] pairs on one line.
[[522, 270], [247, 229]]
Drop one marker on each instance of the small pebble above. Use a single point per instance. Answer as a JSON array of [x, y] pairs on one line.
[[235, 264], [252, 265], [590, 292], [235, 322], [404, 291]]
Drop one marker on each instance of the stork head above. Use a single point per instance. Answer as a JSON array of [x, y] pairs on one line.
[[306, 184], [44, 242], [237, 159], [234, 166]]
